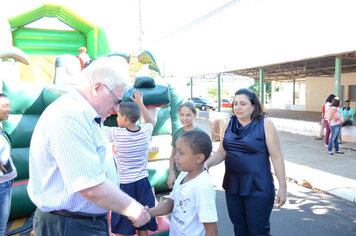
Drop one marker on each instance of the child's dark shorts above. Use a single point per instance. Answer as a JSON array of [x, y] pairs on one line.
[[142, 192]]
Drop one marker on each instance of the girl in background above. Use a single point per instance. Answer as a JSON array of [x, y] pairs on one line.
[[187, 114], [335, 120], [326, 118]]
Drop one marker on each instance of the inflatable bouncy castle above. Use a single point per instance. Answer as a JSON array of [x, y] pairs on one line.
[[43, 45], [50, 53]]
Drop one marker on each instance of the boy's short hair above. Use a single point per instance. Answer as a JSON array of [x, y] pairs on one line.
[[131, 110], [199, 142]]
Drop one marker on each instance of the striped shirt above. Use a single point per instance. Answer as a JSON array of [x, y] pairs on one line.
[[131, 149], [69, 152]]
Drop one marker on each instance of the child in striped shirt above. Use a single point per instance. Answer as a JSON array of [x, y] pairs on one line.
[[131, 142]]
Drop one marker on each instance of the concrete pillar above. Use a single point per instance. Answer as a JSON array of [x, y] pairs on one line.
[[293, 91], [337, 76], [219, 93], [191, 87], [262, 93]]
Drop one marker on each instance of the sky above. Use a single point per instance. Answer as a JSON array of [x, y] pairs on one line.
[[246, 34]]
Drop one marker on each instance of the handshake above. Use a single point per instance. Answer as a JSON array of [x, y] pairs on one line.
[[140, 216]]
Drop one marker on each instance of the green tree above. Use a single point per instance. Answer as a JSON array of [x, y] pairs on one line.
[[256, 87], [213, 92]]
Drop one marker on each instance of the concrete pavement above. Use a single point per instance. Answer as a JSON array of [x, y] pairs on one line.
[[308, 163]]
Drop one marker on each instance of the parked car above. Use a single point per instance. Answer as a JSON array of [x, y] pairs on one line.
[[226, 103], [204, 104]]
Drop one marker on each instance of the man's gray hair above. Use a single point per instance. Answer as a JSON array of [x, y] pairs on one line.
[[112, 71]]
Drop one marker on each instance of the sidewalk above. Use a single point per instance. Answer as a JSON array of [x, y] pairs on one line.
[[308, 163]]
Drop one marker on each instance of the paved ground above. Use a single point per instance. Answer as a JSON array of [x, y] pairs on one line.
[[296, 115], [308, 162]]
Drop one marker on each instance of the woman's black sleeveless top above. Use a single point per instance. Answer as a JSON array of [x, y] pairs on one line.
[[247, 164]]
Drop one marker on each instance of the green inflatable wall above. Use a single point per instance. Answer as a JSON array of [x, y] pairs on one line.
[[56, 42], [48, 42], [28, 101]]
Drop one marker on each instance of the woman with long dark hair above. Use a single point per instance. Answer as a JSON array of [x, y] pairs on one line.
[[249, 142], [326, 118]]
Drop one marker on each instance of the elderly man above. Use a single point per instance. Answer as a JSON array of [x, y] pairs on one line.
[[73, 178]]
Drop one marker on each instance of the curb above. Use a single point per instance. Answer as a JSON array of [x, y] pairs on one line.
[[322, 182]]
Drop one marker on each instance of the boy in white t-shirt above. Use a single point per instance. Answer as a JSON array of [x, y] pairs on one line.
[[192, 200], [131, 143]]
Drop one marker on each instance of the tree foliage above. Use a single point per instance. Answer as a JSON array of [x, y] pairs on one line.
[[213, 92], [256, 87]]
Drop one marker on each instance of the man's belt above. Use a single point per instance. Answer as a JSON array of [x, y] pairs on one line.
[[76, 215]]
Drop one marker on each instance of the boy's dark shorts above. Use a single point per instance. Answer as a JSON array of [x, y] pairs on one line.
[[142, 192]]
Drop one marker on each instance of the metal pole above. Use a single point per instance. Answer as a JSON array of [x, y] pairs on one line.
[[337, 76], [262, 93], [293, 91], [219, 93], [191, 88], [140, 27]]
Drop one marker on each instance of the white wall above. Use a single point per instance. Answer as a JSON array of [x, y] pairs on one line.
[[319, 88], [284, 95]]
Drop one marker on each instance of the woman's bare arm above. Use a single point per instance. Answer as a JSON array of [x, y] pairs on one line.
[[275, 152]]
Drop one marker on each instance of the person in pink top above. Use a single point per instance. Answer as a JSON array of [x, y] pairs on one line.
[[322, 125], [335, 120], [326, 118]]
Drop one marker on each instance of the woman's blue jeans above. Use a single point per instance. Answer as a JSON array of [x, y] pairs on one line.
[[5, 204], [334, 137]]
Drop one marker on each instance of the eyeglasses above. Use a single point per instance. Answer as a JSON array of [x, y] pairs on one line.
[[117, 101]]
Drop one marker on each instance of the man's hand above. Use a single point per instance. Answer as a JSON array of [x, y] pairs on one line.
[[142, 219], [148, 210]]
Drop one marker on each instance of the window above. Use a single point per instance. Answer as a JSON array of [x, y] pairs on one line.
[[353, 93]]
